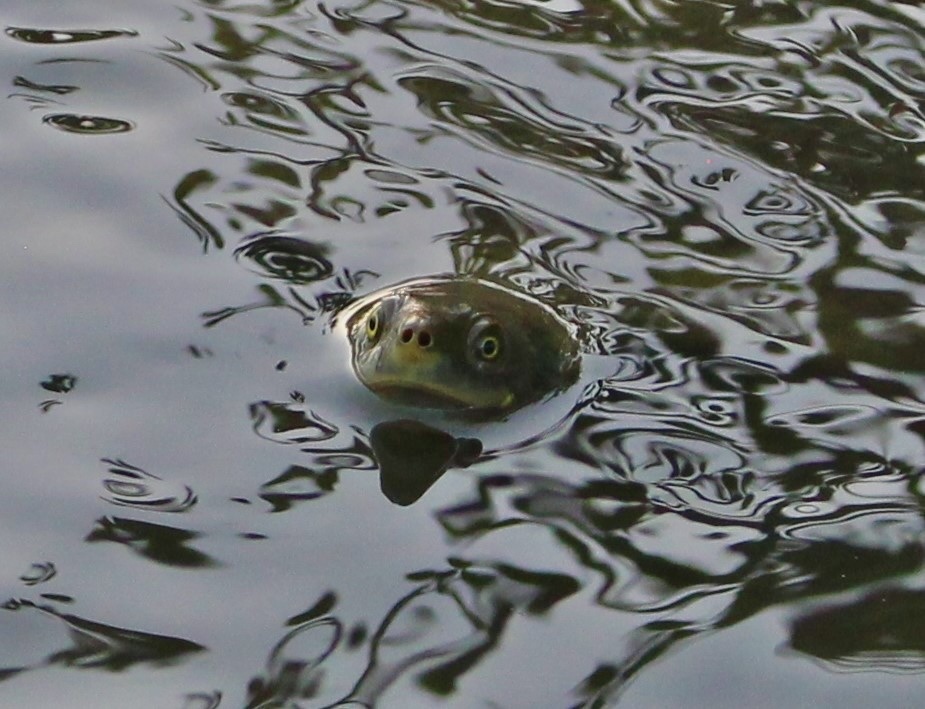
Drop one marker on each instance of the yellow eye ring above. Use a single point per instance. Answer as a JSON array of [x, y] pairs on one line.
[[485, 341], [489, 347], [373, 325]]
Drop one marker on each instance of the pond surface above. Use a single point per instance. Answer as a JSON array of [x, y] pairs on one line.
[[202, 506]]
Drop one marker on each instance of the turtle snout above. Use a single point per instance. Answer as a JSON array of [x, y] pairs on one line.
[[416, 331]]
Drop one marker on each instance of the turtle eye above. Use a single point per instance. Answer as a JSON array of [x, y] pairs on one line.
[[489, 347], [373, 325], [485, 340]]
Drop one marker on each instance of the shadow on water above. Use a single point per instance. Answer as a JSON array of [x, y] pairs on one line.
[[412, 456]]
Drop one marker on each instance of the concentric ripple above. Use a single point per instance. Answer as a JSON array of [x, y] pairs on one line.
[[129, 486]]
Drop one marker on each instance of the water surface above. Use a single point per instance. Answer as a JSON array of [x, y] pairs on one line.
[[725, 200]]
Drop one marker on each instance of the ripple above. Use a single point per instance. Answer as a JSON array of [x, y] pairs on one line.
[[499, 118], [771, 308], [666, 448], [39, 573], [673, 90], [43, 36], [756, 229], [59, 383], [57, 89], [93, 644], [734, 374], [263, 104], [285, 423], [904, 123], [87, 125], [807, 510], [780, 200], [286, 258], [737, 450], [838, 419], [130, 486], [267, 112], [299, 484], [887, 526], [881, 631], [716, 411], [203, 700]]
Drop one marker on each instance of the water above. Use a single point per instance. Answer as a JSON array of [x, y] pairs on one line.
[[726, 200]]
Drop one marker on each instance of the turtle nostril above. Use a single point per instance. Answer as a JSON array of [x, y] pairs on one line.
[[424, 338], [406, 335]]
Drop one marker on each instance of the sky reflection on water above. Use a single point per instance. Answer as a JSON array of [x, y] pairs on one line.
[[725, 200]]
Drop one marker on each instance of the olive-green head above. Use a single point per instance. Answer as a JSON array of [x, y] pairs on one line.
[[460, 344]]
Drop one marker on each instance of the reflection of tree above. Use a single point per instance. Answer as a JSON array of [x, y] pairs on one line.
[[289, 422], [608, 528], [491, 114], [596, 522], [487, 597], [156, 542], [416, 636], [298, 483], [326, 452], [409, 455], [710, 499], [206, 233], [883, 630], [99, 646], [286, 258], [291, 676], [291, 298], [763, 443], [59, 384], [442, 629], [872, 325]]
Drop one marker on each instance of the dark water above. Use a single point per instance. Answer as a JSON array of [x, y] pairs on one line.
[[727, 200]]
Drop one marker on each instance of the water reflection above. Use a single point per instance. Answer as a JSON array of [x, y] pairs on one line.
[[724, 201], [687, 525], [720, 228], [439, 631], [409, 455], [96, 645], [130, 486], [412, 456], [881, 631], [327, 452], [57, 384], [87, 125], [36, 35], [287, 258], [158, 543]]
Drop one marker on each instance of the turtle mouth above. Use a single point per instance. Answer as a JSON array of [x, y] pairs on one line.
[[419, 395], [432, 396], [430, 384]]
